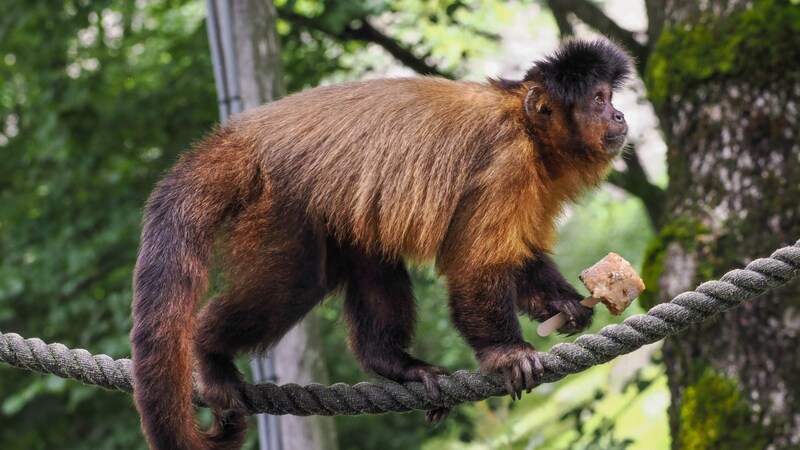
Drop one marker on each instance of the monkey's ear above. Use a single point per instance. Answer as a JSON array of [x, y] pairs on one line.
[[535, 107]]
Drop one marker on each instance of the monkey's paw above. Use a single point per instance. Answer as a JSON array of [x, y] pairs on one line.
[[227, 399], [404, 367], [427, 373], [519, 364], [578, 316]]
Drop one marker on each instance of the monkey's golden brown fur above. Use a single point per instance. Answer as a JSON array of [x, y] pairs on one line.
[[333, 188], [401, 185]]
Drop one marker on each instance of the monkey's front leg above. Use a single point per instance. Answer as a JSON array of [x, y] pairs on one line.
[[483, 310], [542, 292]]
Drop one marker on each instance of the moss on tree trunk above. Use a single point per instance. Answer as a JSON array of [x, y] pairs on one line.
[[725, 78]]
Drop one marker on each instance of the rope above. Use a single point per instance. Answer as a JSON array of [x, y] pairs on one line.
[[709, 299]]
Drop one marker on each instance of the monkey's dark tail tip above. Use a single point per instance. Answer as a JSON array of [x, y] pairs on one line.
[[229, 431]]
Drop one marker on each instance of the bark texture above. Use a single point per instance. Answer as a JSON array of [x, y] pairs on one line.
[[725, 79]]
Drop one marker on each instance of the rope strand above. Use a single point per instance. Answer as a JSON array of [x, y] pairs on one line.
[[709, 299]]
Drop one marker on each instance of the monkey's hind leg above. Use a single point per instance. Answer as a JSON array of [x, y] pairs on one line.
[[274, 273], [381, 314]]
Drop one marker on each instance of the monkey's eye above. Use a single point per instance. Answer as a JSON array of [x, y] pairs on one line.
[[598, 98]]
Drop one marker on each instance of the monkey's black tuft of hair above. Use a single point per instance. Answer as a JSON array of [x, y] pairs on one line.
[[576, 68]]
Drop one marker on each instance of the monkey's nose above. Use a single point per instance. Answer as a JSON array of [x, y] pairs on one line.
[[618, 117]]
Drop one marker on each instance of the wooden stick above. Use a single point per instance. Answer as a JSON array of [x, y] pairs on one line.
[[552, 324]]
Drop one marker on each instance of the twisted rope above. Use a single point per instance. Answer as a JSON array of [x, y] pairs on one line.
[[709, 299]]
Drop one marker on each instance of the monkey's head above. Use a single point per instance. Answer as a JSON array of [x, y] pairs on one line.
[[568, 102]]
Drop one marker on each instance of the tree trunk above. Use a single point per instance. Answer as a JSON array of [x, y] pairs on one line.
[[296, 358], [725, 79]]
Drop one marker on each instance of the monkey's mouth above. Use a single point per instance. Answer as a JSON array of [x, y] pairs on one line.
[[615, 142]]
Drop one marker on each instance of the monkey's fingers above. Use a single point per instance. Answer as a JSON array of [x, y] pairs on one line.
[[517, 380], [519, 364], [528, 374], [578, 317], [436, 415], [509, 382], [570, 327], [427, 373], [523, 374], [431, 386], [538, 367], [514, 381], [532, 370]]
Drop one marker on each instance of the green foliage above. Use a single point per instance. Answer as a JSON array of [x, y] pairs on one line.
[[713, 407], [605, 221], [761, 40], [323, 40], [97, 99]]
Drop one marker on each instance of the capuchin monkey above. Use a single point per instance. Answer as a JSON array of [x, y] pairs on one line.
[[334, 188]]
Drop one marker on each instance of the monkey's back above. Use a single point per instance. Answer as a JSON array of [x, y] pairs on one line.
[[383, 163]]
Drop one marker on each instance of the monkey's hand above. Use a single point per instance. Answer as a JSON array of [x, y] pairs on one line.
[[547, 300], [519, 364], [578, 316], [542, 292]]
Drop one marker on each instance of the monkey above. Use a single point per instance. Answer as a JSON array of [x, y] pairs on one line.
[[335, 189]]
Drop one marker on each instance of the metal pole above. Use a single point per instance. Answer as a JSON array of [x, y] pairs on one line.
[[220, 77], [269, 427], [223, 53]]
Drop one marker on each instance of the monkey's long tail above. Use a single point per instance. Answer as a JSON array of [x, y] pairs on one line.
[[182, 216]]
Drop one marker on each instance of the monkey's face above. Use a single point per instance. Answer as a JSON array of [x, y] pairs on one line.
[[601, 125], [591, 126]]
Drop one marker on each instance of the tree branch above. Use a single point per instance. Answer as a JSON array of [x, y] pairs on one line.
[[593, 16], [362, 30], [366, 32], [634, 180], [655, 21], [560, 13]]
